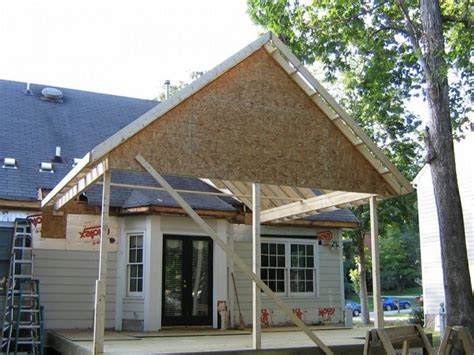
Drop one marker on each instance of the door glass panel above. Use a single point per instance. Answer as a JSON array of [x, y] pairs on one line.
[[173, 296], [200, 278]]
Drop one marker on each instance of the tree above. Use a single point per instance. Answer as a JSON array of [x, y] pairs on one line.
[[386, 52]]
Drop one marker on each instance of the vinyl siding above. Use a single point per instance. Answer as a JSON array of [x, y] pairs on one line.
[[328, 281], [433, 289], [67, 287]]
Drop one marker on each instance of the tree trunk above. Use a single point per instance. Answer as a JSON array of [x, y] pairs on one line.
[[364, 299], [457, 282]]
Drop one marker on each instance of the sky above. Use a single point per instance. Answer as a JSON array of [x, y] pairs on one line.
[[119, 47], [122, 47]]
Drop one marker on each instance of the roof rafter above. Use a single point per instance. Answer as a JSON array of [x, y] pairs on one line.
[[318, 204]]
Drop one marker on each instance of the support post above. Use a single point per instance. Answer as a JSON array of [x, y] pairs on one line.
[[237, 260], [374, 233], [256, 259], [101, 283]]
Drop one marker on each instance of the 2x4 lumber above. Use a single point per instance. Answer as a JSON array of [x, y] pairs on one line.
[[66, 180], [314, 204], [82, 184], [256, 294], [339, 110], [101, 283], [237, 260], [374, 239]]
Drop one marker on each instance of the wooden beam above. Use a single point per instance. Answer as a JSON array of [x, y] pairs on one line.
[[313, 205], [256, 256], [81, 185], [52, 196], [374, 237], [101, 283], [237, 260]]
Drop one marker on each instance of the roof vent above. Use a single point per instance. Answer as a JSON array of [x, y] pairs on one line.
[[9, 163], [46, 167], [52, 94]]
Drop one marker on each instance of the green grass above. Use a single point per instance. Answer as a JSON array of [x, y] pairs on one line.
[[412, 291]]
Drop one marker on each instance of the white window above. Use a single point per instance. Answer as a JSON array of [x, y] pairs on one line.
[[135, 265], [289, 267]]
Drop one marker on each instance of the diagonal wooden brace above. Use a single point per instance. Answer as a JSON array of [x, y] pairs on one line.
[[237, 260]]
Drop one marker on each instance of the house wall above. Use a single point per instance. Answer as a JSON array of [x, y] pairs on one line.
[[325, 307], [144, 312], [67, 287], [433, 291]]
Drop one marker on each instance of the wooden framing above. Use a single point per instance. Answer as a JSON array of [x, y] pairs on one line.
[[391, 338], [463, 336], [259, 117], [237, 260], [101, 283], [256, 260], [311, 206], [374, 243]]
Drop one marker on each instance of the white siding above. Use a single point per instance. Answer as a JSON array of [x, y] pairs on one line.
[[67, 287], [328, 280], [433, 291]]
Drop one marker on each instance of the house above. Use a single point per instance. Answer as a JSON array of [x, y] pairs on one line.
[[37, 128], [256, 152], [432, 273]]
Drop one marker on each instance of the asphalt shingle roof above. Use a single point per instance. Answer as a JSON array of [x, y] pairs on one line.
[[32, 128]]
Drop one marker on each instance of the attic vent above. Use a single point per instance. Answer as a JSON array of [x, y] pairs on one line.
[[9, 163], [52, 94], [46, 167]]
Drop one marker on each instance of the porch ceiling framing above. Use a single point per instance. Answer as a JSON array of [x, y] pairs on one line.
[[312, 205]]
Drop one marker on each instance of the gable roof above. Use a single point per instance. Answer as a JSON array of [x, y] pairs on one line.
[[372, 172]]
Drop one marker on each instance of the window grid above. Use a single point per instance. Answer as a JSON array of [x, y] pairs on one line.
[[302, 268], [135, 264], [289, 267], [273, 266]]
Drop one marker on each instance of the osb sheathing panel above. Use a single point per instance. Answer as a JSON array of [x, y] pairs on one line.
[[252, 124], [53, 226]]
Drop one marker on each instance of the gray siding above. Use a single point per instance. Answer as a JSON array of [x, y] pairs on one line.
[[328, 283], [67, 287]]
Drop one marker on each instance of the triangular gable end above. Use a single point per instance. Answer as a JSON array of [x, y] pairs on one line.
[[253, 123], [260, 116]]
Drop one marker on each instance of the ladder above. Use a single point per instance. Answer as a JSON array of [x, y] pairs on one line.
[[23, 318]]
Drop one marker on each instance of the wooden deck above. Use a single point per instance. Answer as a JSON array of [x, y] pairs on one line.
[[198, 341]]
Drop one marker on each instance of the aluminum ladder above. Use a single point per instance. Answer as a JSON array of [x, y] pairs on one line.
[[23, 317]]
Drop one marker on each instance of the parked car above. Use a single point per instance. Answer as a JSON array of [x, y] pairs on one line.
[[356, 309], [390, 304]]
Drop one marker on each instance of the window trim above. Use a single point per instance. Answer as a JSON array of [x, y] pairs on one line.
[[287, 242], [127, 265]]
